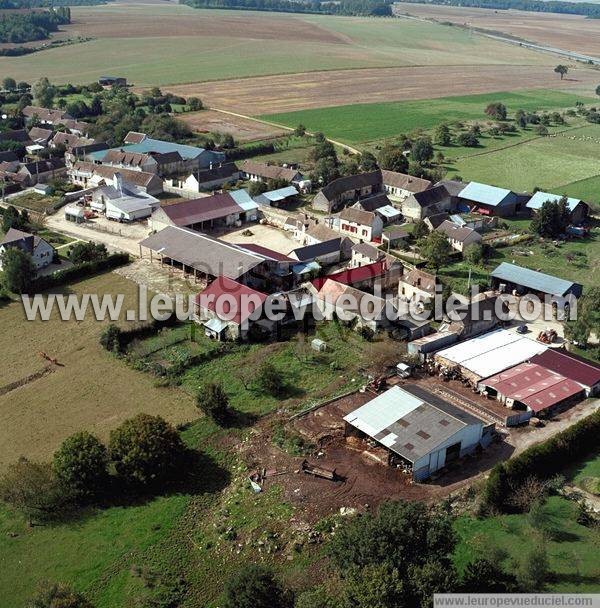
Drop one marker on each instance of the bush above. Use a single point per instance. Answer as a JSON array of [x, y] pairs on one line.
[[18, 270], [212, 400], [87, 252], [110, 338], [270, 379], [57, 595], [147, 450], [81, 465], [255, 587]]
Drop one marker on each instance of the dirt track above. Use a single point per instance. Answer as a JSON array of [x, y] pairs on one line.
[[569, 32], [291, 92]]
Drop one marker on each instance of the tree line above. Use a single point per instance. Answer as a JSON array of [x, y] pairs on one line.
[[26, 27], [345, 7]]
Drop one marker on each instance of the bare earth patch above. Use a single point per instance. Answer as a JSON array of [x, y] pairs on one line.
[[290, 92], [242, 129]]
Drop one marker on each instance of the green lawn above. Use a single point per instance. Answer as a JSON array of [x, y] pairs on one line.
[[572, 548], [587, 475], [369, 122]]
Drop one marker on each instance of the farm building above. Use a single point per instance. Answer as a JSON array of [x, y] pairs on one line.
[[42, 253], [417, 285], [365, 253], [345, 191], [206, 213], [509, 277], [488, 354], [427, 345], [578, 210], [75, 214], [45, 116], [359, 224], [394, 236], [228, 309], [41, 171], [489, 200], [420, 205], [215, 176], [278, 198], [422, 431], [263, 172], [459, 237], [366, 277], [122, 202], [584, 372], [400, 185], [532, 389], [88, 175], [325, 253]]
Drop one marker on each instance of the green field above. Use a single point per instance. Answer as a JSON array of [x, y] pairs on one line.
[[368, 122], [158, 44]]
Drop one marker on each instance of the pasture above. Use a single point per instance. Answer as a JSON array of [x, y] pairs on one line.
[[368, 122], [88, 389]]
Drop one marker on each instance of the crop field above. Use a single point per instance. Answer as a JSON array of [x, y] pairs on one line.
[[365, 122], [166, 43], [88, 389], [569, 32]]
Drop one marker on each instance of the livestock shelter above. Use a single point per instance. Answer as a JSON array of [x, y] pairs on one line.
[[533, 390], [422, 431], [510, 277], [584, 372], [578, 210], [488, 354], [489, 200]]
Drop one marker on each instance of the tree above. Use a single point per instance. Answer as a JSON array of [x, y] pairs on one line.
[[533, 569], [300, 130], [467, 139], [422, 150], [484, 576], [44, 92], [18, 270], [194, 104], [81, 465], [57, 595], [87, 252], [392, 158], [9, 84], [374, 586], [13, 219], [562, 70], [368, 162], [442, 136], [147, 450], [270, 379], [32, 489], [496, 110], [255, 586], [256, 188], [325, 171], [436, 249], [420, 230], [213, 401], [110, 338], [473, 254], [552, 219], [541, 130]]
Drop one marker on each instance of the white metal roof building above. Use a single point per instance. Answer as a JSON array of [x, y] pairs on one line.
[[418, 426], [490, 353]]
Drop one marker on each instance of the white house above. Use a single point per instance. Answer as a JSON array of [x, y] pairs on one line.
[[42, 253], [459, 237], [359, 224]]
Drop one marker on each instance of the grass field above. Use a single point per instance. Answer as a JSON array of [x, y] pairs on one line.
[[146, 43], [369, 122], [587, 475], [572, 548], [89, 390]]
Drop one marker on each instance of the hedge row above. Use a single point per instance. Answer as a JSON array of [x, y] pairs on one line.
[[542, 461], [249, 151], [145, 330], [80, 271]]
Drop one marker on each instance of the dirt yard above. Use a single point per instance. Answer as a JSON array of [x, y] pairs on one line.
[[568, 32], [267, 236], [242, 129], [291, 92]]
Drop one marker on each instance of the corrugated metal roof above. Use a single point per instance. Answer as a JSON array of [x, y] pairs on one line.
[[280, 194], [482, 193], [478, 346], [539, 198], [537, 281], [388, 211], [243, 199], [584, 372]]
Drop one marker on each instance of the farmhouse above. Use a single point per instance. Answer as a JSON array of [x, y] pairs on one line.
[[278, 198], [381, 274], [70, 140], [488, 354], [586, 373], [41, 171], [459, 237], [400, 185], [229, 310], [365, 253], [422, 431], [510, 277], [89, 175], [40, 136], [264, 172], [489, 200], [372, 203], [417, 285], [532, 389], [347, 190], [44, 115], [578, 210], [42, 253], [325, 252], [207, 213], [420, 205], [358, 224], [122, 203], [204, 179]]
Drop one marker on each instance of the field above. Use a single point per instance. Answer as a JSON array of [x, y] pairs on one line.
[[569, 32], [89, 389], [365, 122]]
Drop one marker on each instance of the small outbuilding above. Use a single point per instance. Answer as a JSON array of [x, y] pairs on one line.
[[489, 200]]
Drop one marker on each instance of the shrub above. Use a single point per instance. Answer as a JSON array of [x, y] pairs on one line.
[[270, 379], [212, 400], [81, 465], [57, 595], [110, 338], [18, 270], [87, 252], [255, 587], [146, 450]]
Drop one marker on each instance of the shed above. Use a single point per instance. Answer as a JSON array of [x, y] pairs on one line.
[[577, 208], [582, 371], [489, 200], [275, 198], [74, 213]]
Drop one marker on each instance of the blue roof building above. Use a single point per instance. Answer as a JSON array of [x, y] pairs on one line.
[[515, 277], [489, 200], [577, 207]]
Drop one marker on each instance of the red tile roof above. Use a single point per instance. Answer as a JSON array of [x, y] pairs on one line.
[[353, 275], [587, 373], [230, 300]]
